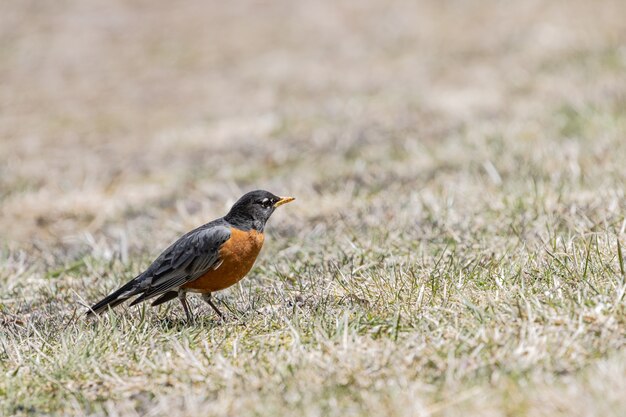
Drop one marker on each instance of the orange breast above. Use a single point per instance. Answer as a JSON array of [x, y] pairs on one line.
[[237, 256]]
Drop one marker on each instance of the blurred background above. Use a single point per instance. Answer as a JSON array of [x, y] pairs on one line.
[[116, 113], [454, 249]]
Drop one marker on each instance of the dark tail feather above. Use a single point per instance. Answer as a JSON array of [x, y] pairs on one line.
[[113, 299], [143, 297], [163, 288], [165, 297]]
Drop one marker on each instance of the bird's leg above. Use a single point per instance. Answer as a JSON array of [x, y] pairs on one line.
[[182, 296], [207, 297]]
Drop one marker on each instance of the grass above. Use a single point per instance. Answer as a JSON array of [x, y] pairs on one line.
[[457, 243]]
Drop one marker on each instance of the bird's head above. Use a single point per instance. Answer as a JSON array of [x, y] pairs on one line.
[[253, 209]]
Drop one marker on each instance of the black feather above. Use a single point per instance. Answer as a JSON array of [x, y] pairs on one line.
[[112, 299], [165, 298]]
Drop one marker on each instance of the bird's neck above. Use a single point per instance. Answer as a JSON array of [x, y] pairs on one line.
[[244, 222]]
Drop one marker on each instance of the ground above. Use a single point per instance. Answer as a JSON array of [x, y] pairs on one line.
[[457, 243]]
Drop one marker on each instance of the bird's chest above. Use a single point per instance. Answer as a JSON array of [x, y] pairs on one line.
[[241, 250], [237, 256]]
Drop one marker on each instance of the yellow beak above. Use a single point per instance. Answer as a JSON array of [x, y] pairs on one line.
[[283, 200]]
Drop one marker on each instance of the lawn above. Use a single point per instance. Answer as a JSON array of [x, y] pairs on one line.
[[458, 242]]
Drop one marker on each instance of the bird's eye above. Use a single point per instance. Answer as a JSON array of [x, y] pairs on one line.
[[266, 202]]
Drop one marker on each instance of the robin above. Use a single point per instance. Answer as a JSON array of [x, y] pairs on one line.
[[207, 259]]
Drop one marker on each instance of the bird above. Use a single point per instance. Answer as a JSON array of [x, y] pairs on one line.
[[209, 258]]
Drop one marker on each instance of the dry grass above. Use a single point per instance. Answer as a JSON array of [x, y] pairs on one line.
[[455, 246]]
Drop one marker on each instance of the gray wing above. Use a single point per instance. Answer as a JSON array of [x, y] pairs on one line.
[[187, 259]]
